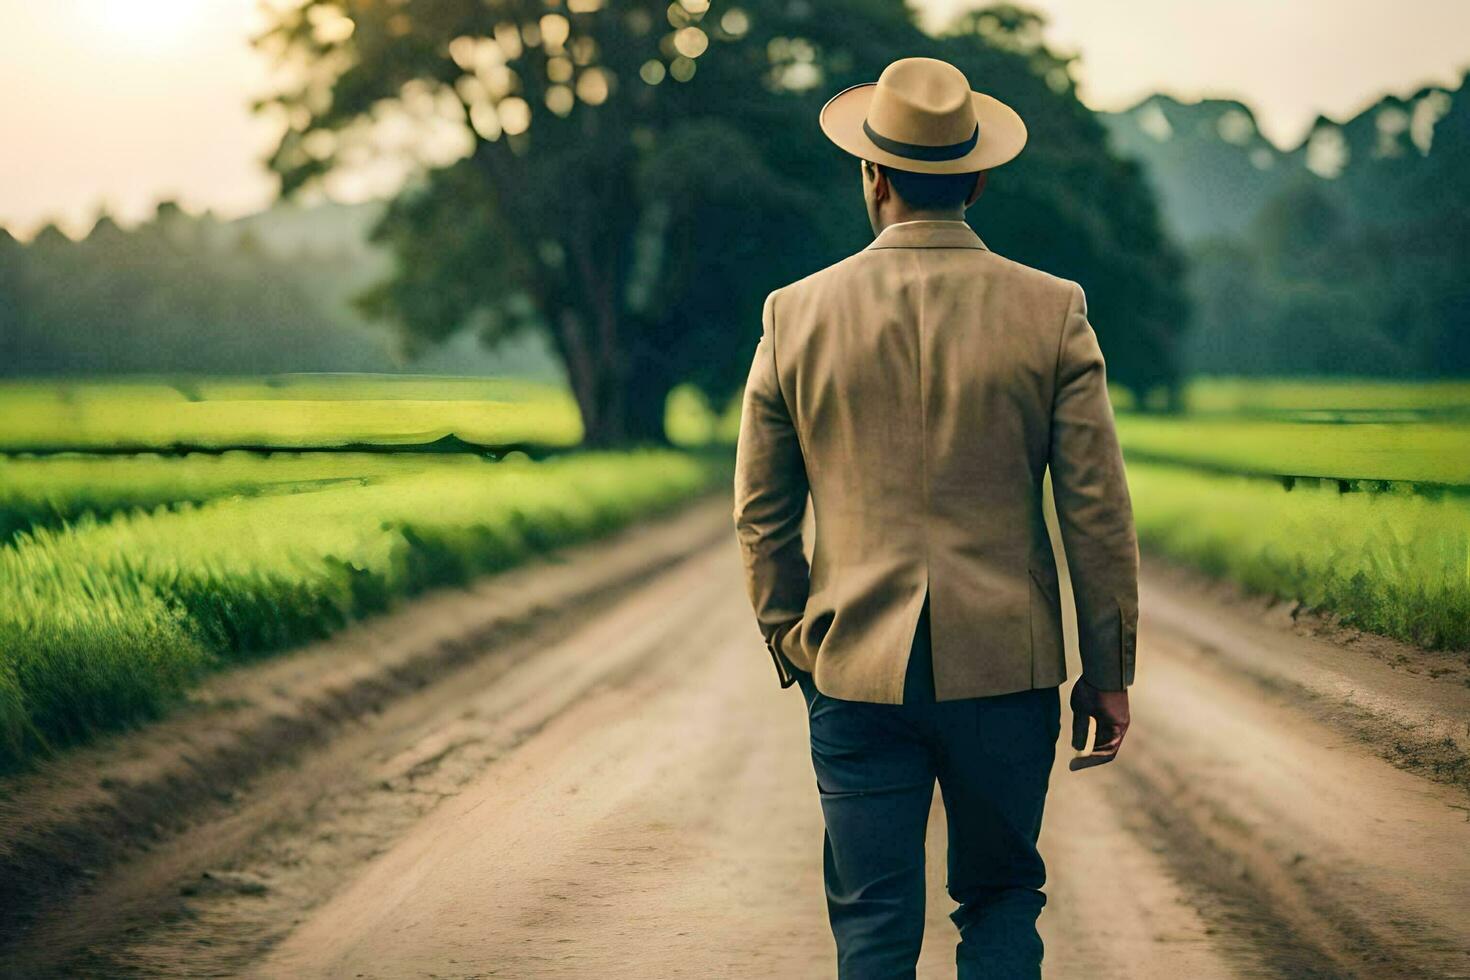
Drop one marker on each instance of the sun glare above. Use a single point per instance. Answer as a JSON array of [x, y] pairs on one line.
[[142, 24]]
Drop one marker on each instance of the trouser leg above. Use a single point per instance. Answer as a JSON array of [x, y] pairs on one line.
[[875, 777], [995, 759]]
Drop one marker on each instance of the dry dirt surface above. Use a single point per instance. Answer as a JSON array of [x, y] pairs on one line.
[[627, 793]]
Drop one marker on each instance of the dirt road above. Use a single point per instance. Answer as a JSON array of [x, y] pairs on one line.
[[631, 796]]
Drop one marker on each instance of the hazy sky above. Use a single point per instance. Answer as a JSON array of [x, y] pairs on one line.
[[124, 102]]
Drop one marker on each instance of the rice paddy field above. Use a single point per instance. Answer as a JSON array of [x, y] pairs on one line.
[[1351, 496], [1393, 562], [1422, 453], [154, 530], [286, 412], [151, 531], [1366, 431], [107, 621], [51, 491]]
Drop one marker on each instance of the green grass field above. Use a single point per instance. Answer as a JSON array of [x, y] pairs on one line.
[[1383, 557], [50, 491], [124, 576], [291, 411], [1343, 429], [103, 623], [1416, 452], [1395, 563], [125, 573], [1327, 399]]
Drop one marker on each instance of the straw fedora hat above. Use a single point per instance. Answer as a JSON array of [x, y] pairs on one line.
[[922, 116]]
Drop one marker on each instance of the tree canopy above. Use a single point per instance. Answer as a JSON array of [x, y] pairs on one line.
[[633, 176]]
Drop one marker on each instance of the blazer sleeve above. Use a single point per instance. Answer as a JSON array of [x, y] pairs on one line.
[[1093, 505], [770, 501]]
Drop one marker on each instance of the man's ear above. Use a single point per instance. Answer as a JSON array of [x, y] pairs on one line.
[[879, 177], [979, 187]]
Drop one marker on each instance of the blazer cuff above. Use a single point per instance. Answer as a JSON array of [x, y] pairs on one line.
[[1111, 668]]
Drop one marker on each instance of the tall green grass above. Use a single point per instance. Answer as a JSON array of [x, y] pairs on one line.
[[1393, 563], [105, 623], [50, 491]]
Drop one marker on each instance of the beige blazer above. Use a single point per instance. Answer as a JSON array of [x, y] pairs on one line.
[[919, 390]]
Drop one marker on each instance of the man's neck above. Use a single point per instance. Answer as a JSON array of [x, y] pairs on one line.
[[913, 215]]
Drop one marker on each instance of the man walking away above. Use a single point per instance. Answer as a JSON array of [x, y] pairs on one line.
[[919, 391]]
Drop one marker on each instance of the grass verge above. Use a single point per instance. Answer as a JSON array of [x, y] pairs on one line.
[[55, 490], [106, 624], [1394, 563]]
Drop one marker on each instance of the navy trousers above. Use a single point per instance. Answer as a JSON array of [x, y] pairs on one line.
[[876, 765]]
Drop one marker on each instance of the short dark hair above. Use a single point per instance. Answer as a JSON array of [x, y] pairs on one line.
[[931, 191]]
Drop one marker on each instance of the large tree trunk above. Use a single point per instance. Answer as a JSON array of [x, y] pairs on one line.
[[645, 402], [621, 410], [622, 397], [586, 372], [620, 390]]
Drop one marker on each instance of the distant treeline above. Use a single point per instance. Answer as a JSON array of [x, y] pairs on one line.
[[182, 293], [1346, 255]]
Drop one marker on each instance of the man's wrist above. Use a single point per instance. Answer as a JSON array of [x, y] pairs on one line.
[[1104, 687]]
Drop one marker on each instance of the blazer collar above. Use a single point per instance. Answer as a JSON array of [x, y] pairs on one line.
[[928, 234]]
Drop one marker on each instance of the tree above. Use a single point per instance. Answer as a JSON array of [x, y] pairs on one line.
[[634, 176]]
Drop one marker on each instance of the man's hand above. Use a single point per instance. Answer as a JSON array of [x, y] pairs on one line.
[[1110, 709]]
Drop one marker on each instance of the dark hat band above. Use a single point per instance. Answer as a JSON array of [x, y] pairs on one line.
[[918, 151]]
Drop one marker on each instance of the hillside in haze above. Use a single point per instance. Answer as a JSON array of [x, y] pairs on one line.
[[1344, 254], [1209, 164]]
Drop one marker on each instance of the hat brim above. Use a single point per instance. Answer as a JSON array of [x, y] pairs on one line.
[[1002, 134]]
